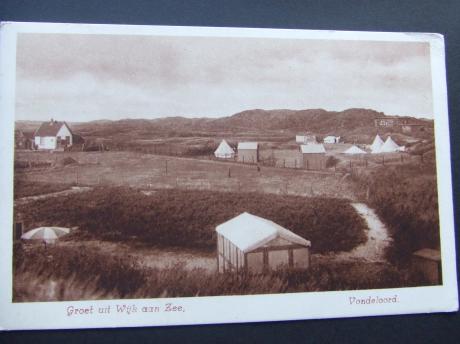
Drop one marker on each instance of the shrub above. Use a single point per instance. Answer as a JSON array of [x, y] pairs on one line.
[[64, 273], [406, 199], [188, 218]]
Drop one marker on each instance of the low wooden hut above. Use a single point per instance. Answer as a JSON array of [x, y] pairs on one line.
[[248, 152], [313, 156], [249, 243]]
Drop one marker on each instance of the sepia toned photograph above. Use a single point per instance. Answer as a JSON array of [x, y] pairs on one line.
[[174, 166]]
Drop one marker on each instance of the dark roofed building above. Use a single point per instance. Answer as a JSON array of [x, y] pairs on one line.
[[53, 135]]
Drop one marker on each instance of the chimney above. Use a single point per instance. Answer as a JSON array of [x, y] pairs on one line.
[[52, 121]]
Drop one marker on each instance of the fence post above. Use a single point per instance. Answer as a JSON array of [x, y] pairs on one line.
[[284, 163], [229, 173], [166, 166], [383, 160]]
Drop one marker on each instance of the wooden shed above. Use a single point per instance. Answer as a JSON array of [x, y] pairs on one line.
[[249, 243], [428, 262], [248, 152], [313, 156]]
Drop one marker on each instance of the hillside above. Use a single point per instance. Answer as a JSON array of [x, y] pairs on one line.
[[349, 122]]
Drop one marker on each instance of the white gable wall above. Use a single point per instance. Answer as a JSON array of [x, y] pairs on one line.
[[65, 132]]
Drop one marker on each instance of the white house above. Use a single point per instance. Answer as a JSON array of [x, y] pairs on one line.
[[53, 135], [305, 139]]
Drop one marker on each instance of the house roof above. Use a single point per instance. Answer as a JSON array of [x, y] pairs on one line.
[[247, 145], [428, 253], [312, 148], [50, 128], [249, 232]]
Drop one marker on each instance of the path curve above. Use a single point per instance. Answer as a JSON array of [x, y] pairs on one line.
[[373, 250]]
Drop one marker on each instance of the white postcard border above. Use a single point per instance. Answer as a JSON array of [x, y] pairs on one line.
[[224, 309]]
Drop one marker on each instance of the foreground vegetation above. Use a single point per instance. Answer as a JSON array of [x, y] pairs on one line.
[[58, 273], [405, 198], [188, 218], [24, 188]]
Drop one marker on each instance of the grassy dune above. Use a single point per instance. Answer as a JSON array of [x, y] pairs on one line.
[[57, 274]]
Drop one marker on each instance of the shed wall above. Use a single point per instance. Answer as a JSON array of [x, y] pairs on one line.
[[248, 155], [315, 161]]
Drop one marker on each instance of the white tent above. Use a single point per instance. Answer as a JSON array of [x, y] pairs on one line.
[[389, 146], [249, 242], [224, 151], [354, 150], [377, 144]]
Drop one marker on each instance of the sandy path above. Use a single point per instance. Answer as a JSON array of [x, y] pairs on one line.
[[373, 250], [76, 189]]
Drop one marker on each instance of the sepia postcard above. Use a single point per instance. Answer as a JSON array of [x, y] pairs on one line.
[[157, 175]]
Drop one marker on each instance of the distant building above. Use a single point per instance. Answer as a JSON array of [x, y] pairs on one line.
[[53, 135], [305, 139], [410, 128], [23, 140], [406, 125], [249, 243], [313, 156], [248, 152], [331, 139]]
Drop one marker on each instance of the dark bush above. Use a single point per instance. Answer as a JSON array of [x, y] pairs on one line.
[[188, 218]]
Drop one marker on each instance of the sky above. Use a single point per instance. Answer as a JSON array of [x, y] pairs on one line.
[[77, 77]]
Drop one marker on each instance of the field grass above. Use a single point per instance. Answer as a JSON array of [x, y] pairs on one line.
[[154, 171], [57, 274], [405, 198], [25, 188], [188, 218]]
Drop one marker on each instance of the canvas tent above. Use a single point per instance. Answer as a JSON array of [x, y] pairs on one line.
[[378, 142], [224, 151], [254, 244], [354, 150], [389, 146]]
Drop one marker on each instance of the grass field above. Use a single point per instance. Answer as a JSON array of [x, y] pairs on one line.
[[153, 171]]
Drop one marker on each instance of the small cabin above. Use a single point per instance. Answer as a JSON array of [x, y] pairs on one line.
[[248, 152], [53, 135], [428, 262], [313, 156], [249, 243]]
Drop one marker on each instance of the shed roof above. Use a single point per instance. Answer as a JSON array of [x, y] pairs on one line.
[[428, 253], [312, 148], [248, 232], [50, 128], [247, 145]]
